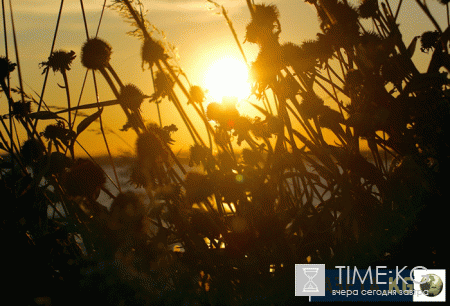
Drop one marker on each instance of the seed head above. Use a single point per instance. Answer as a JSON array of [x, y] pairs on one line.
[[95, 53], [59, 61], [131, 97], [84, 178], [31, 151], [151, 52], [265, 15], [311, 106], [21, 109], [163, 84], [429, 40], [128, 210], [368, 8], [6, 67], [198, 187], [197, 94]]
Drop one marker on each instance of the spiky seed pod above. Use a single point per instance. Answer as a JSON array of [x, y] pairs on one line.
[[311, 106], [21, 109], [6, 67], [353, 80], [153, 144], [429, 40], [163, 84], [127, 211], [298, 58], [197, 94], [266, 15], [260, 30], [344, 28], [266, 67], [393, 70], [137, 178], [330, 119], [95, 54], [58, 131], [59, 61], [368, 9], [151, 52], [198, 187], [199, 154], [84, 179], [31, 151], [373, 50], [251, 157], [213, 111], [252, 32], [131, 97]]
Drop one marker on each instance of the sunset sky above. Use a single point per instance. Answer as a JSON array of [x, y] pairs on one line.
[[201, 36]]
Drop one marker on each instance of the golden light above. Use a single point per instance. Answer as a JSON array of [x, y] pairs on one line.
[[227, 77]]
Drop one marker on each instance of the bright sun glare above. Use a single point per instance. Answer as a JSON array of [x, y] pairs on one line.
[[227, 77]]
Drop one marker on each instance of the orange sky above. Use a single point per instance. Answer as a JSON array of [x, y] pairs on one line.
[[200, 35]]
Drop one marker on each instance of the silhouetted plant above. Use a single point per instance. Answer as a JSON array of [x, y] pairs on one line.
[[269, 192]]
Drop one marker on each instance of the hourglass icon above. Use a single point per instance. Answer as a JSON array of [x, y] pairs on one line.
[[310, 286]]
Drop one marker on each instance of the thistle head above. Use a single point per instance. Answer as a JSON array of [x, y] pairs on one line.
[[163, 84], [198, 187], [368, 9], [131, 97], [32, 150], [266, 15], [95, 54], [84, 179], [6, 67], [127, 211], [429, 40], [151, 52], [197, 94], [58, 61]]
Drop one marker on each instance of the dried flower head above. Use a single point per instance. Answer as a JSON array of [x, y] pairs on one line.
[[31, 151], [198, 187], [59, 61], [213, 111], [151, 52], [266, 66], [198, 155], [95, 53], [84, 179], [261, 28], [429, 40], [311, 106], [131, 97], [127, 210], [265, 15], [154, 142], [21, 109], [163, 84], [368, 8], [197, 94], [353, 80], [58, 131], [6, 67]]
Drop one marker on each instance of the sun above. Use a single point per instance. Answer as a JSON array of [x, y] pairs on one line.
[[227, 77]]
